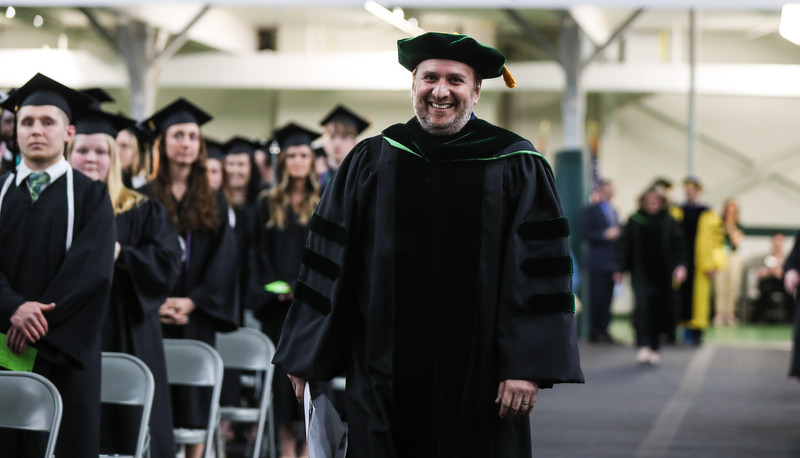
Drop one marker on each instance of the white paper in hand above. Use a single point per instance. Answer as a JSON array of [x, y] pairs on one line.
[[326, 435]]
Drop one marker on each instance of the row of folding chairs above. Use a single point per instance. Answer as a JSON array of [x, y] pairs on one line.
[[29, 401]]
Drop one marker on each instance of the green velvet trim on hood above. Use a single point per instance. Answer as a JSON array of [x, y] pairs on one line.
[[477, 141]]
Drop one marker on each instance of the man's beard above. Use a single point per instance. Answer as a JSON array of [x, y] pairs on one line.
[[450, 128]]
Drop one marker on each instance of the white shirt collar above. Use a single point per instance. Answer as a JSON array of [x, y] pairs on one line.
[[55, 171]]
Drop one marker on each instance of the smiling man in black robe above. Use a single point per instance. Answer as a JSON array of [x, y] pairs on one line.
[[57, 238], [437, 274]]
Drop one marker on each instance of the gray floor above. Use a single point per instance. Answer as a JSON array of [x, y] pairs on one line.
[[720, 400]]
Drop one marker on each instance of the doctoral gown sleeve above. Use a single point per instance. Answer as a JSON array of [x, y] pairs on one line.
[[536, 327], [314, 341], [153, 260], [793, 260], [214, 293], [82, 285]]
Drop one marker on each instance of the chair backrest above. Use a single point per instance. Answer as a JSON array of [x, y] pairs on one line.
[[127, 380], [29, 401], [195, 363], [245, 349], [251, 349]]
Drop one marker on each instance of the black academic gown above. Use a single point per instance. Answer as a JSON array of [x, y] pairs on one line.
[[793, 262], [650, 248], [35, 266], [278, 255], [144, 275], [436, 268], [208, 278]]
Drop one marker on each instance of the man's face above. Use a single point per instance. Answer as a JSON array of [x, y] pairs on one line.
[[237, 166], [42, 131], [692, 192], [6, 125], [444, 93], [607, 191]]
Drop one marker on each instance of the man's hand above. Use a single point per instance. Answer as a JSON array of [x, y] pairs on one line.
[[117, 248], [679, 274], [30, 321], [516, 397], [299, 385], [176, 310], [16, 341], [791, 280], [612, 233]]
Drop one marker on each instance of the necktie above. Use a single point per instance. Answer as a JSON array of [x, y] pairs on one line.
[[35, 182]]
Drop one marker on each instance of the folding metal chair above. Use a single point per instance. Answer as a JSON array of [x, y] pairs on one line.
[[127, 380], [29, 401], [250, 350], [195, 363]]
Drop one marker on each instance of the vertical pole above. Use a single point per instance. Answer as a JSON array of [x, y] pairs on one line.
[[691, 131], [574, 101]]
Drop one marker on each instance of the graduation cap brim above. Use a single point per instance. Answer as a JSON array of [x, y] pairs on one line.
[[240, 145], [293, 135], [180, 111], [43, 91], [98, 95], [345, 116], [487, 61], [215, 150], [99, 122], [143, 135]]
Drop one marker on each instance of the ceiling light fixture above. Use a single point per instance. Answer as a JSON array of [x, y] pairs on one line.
[[394, 17], [790, 22], [11, 12], [38, 21]]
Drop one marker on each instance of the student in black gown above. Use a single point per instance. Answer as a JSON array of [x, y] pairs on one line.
[[203, 300], [341, 127], [791, 279], [132, 161], [215, 170], [56, 264], [283, 217], [147, 264], [651, 248], [240, 187]]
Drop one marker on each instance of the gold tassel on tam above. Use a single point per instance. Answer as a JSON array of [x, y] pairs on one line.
[[509, 78]]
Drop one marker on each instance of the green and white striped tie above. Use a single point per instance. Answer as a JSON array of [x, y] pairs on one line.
[[35, 182]]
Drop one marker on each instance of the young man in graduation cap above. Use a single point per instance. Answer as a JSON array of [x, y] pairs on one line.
[[57, 237], [437, 274], [342, 126]]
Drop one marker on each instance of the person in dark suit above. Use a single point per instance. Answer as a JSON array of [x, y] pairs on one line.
[[600, 228]]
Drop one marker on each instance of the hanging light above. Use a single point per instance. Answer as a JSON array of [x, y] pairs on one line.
[[11, 12], [790, 22], [38, 21], [394, 17]]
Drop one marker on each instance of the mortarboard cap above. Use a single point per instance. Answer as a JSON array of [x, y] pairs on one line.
[[95, 121], [98, 95], [238, 145], [143, 135], [215, 150], [487, 61], [41, 90], [178, 112], [343, 115], [293, 135]]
